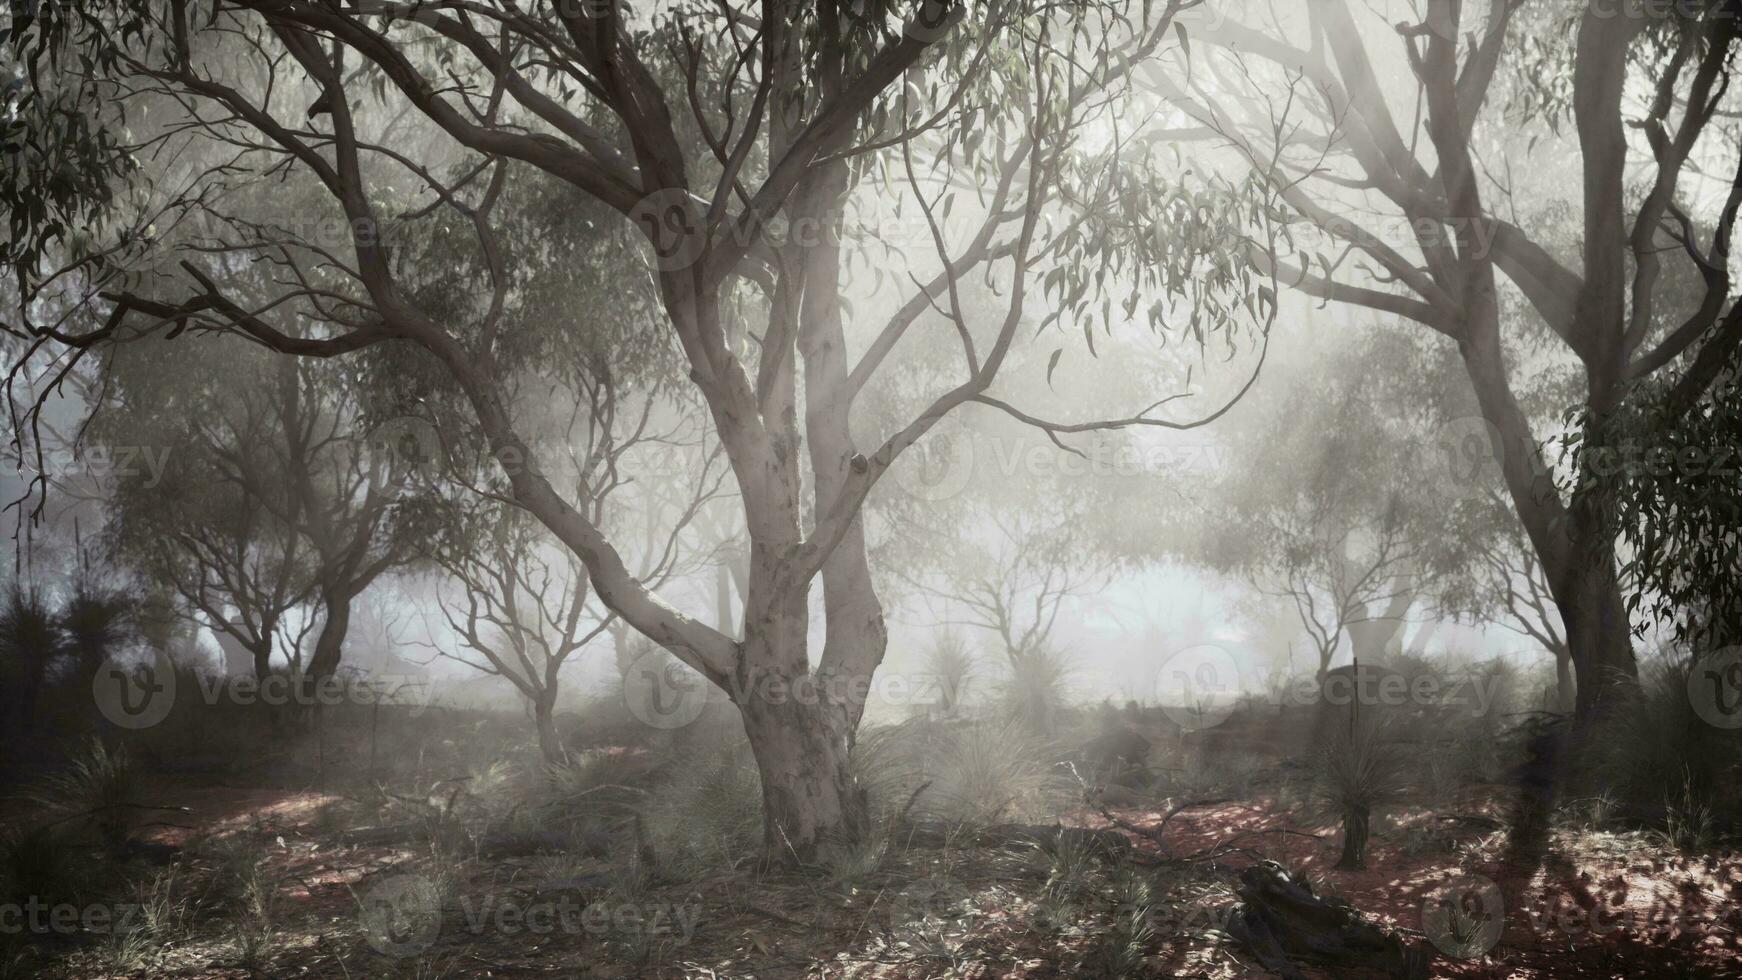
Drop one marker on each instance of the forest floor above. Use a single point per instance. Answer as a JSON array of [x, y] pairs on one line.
[[1600, 904]]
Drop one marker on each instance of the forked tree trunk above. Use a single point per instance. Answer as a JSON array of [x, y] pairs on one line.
[[261, 653], [810, 800], [798, 732]]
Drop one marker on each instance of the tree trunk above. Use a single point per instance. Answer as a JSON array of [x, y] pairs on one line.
[[550, 743], [261, 654], [1356, 820], [1563, 680], [1597, 630], [810, 801], [798, 726], [1376, 639], [329, 645], [1576, 553], [857, 636]]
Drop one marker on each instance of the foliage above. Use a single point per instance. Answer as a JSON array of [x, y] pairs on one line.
[[62, 133], [1663, 473]]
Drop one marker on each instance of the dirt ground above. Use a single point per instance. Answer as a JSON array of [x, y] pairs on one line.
[[1598, 904], [1656, 914]]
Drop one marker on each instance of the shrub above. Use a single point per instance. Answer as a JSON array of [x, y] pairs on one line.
[[1667, 768], [1358, 773], [95, 786], [988, 771], [950, 662], [1037, 689], [707, 816]]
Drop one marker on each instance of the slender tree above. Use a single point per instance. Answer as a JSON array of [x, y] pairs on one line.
[[525, 608]]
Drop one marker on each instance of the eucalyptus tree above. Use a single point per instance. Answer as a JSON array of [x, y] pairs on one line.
[[347, 481], [1405, 139], [273, 497], [521, 615], [211, 527], [1012, 569], [1015, 582], [726, 141], [1322, 502]]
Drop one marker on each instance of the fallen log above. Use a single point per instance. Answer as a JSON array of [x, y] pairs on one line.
[[1282, 923]]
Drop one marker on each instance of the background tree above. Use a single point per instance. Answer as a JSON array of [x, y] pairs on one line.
[[30, 644], [1506, 586], [525, 605], [1427, 229], [1009, 577], [346, 479], [212, 527], [1313, 506]]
